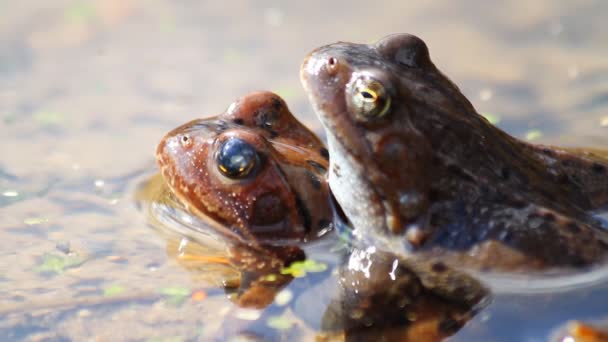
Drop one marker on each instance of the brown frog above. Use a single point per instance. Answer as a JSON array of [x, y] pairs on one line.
[[257, 176], [411, 158]]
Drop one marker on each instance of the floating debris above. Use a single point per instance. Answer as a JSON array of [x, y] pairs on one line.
[[9, 118], [48, 118], [248, 314], [270, 277], [32, 221], [52, 263], [175, 295], [283, 297], [533, 134], [279, 322], [10, 193], [113, 290], [64, 247], [199, 295], [299, 269]]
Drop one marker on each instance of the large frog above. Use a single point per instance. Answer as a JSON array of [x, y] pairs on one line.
[[415, 168], [256, 176]]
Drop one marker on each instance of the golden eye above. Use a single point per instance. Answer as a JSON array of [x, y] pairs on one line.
[[236, 158], [369, 98]]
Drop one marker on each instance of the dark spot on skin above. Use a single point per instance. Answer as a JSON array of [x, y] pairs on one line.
[[550, 217], [439, 267], [324, 153], [574, 179], [266, 119], [548, 152], [238, 121], [277, 104], [505, 173], [518, 203], [598, 168], [304, 213], [323, 223], [449, 325], [268, 209], [314, 181], [320, 168], [273, 134], [573, 227], [562, 178]]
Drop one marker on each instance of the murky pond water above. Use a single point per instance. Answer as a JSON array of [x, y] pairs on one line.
[[88, 88]]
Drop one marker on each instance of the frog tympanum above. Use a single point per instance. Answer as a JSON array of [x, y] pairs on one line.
[[257, 176], [417, 170]]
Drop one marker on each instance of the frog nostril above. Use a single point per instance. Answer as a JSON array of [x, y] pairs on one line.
[[185, 140], [332, 65]]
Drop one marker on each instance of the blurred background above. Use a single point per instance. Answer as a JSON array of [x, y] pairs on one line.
[[87, 89]]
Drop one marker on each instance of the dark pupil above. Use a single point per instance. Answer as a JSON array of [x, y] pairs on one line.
[[367, 95], [236, 158]]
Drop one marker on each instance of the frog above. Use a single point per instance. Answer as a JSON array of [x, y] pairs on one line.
[[256, 177], [419, 172], [254, 174]]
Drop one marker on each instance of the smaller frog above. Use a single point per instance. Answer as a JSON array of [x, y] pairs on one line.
[[256, 175], [416, 169]]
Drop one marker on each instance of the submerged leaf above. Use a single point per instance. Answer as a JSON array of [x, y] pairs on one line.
[[175, 295], [52, 263], [279, 322], [113, 290]]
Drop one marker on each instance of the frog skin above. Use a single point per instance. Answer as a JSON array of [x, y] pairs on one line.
[[417, 170], [256, 176]]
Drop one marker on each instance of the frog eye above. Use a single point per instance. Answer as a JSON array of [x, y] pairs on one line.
[[236, 158], [369, 98]]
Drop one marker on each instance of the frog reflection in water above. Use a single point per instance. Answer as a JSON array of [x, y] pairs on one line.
[[257, 176], [411, 157]]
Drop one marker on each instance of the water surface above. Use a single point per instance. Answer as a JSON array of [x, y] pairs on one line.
[[87, 89]]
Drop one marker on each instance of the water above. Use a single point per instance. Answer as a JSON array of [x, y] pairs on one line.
[[87, 88]]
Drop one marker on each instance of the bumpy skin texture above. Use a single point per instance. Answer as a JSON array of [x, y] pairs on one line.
[[479, 191], [283, 200]]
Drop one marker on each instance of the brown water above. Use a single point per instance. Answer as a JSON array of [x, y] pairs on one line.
[[87, 88]]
